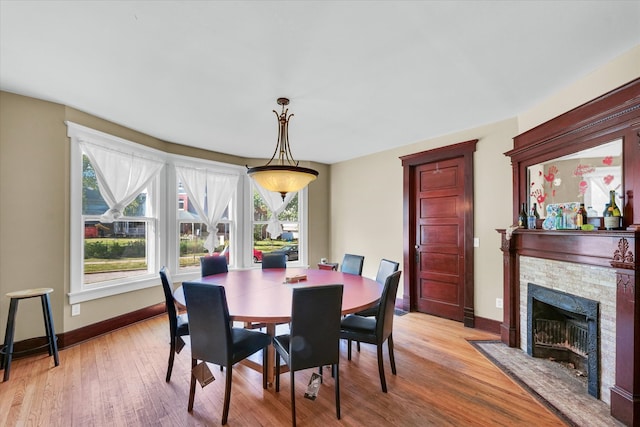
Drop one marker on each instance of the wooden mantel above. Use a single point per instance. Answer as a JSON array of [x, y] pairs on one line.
[[613, 249], [615, 115]]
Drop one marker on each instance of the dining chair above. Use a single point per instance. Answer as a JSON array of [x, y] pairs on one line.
[[314, 337], [178, 323], [213, 339], [385, 269], [213, 264], [274, 260], [352, 264], [375, 330]]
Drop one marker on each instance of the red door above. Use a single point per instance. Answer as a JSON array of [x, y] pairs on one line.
[[440, 238]]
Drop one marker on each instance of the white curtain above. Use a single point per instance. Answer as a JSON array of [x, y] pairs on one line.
[[276, 205], [210, 192], [121, 176]]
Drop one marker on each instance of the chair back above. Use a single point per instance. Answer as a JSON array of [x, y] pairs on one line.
[[167, 287], [209, 322], [385, 269], [352, 264], [274, 260], [213, 264], [315, 326], [386, 308]]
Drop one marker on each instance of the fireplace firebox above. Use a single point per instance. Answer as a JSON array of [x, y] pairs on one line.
[[564, 327]]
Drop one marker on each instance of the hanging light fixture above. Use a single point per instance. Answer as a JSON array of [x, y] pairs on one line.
[[283, 174]]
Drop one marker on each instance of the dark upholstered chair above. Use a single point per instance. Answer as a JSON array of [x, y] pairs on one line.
[[178, 323], [375, 330], [314, 338], [352, 264], [385, 269], [274, 260], [213, 264], [213, 339]]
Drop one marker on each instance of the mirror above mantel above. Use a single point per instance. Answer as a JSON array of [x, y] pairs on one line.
[[586, 177], [581, 155]]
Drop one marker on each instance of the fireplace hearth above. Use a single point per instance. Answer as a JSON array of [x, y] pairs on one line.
[[564, 327]]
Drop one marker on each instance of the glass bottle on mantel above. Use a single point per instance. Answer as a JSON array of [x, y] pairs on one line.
[[522, 216], [535, 211], [613, 215], [581, 216]]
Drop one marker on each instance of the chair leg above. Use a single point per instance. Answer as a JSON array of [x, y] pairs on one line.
[[277, 371], [358, 346], [348, 349], [264, 363], [227, 395], [383, 382], [172, 353], [391, 358], [293, 399], [192, 386], [335, 370]]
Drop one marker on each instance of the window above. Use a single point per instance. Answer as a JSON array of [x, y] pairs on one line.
[[114, 221], [280, 232], [193, 232], [171, 212]]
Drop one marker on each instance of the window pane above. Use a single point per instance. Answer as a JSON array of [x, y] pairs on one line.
[[260, 210], [94, 204], [114, 250], [194, 232], [291, 211], [192, 237], [287, 241]]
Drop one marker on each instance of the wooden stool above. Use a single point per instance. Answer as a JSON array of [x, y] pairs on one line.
[[7, 350]]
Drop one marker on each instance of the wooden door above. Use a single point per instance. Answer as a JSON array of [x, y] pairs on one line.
[[438, 200], [440, 238]]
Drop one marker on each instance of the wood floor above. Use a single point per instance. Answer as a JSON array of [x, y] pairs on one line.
[[119, 379]]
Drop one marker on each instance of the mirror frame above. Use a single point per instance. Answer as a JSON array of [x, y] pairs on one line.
[[604, 119]]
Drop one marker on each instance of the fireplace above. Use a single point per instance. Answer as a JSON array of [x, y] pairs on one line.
[[564, 327]]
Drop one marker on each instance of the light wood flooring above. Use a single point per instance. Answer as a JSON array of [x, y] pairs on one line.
[[119, 380]]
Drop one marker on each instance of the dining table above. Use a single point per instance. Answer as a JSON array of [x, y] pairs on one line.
[[264, 296]]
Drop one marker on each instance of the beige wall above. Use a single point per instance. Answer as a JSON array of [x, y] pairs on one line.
[[366, 193], [34, 211], [370, 222]]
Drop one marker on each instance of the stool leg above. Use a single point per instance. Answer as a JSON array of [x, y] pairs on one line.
[[49, 329], [8, 338]]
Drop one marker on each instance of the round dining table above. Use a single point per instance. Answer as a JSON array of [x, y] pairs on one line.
[[265, 296]]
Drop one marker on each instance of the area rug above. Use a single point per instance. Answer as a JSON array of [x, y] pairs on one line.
[[555, 386]]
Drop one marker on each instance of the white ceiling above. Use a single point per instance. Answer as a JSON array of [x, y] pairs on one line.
[[362, 76]]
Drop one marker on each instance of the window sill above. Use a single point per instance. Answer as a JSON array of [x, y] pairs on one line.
[[111, 290]]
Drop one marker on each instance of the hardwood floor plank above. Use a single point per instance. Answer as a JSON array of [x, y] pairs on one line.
[[118, 379]]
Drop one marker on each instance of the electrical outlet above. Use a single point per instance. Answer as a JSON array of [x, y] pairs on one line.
[[75, 309], [476, 242], [498, 302]]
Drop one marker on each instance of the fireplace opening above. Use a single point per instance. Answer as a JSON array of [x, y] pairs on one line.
[[564, 328]]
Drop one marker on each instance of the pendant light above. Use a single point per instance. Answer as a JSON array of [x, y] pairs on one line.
[[282, 174]]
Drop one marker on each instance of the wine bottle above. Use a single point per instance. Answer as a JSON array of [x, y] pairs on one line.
[[613, 215], [522, 216], [581, 216], [535, 211]]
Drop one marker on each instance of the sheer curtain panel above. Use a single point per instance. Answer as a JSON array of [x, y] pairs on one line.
[[121, 176], [210, 193], [276, 205]]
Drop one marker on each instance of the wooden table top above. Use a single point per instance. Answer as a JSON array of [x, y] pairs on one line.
[[258, 295]]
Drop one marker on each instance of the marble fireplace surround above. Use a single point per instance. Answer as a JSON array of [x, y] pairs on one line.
[[601, 265]]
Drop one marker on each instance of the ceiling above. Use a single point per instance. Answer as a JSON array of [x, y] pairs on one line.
[[362, 76]]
